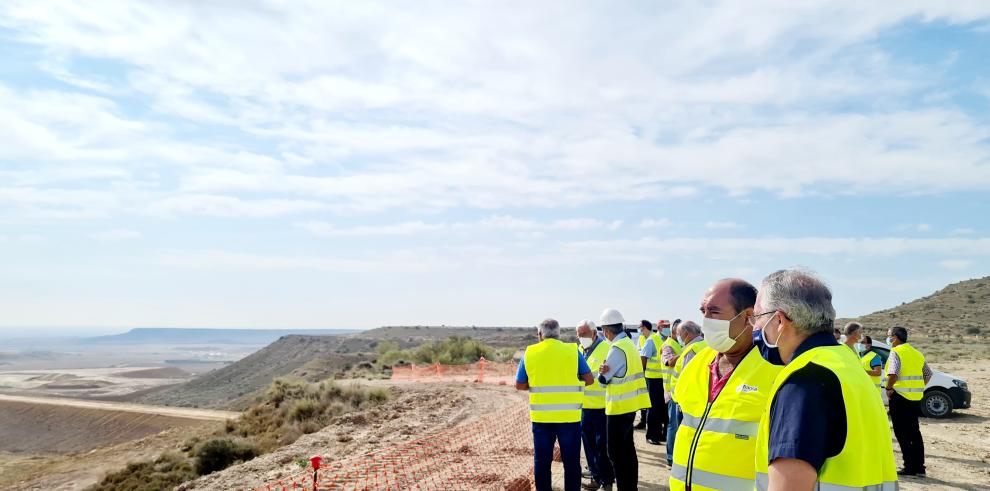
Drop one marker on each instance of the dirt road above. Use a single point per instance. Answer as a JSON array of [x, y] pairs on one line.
[[173, 412]]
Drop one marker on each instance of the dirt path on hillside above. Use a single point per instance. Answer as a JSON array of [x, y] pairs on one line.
[[172, 412]]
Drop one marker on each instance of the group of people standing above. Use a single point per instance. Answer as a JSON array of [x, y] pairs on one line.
[[760, 395]]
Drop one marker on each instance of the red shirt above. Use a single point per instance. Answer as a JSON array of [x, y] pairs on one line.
[[716, 383]]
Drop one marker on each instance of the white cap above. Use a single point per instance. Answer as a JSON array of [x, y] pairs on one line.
[[611, 316]]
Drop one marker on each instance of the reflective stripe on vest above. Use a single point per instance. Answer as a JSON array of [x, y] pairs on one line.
[[594, 394], [716, 442], [627, 394], [910, 382], [718, 425], [710, 480], [866, 460], [555, 392], [763, 483]]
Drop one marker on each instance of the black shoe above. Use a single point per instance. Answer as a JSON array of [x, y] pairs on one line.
[[920, 473], [905, 472], [653, 442], [641, 426], [592, 485]]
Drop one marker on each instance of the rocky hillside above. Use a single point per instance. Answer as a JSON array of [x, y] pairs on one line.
[[960, 309]]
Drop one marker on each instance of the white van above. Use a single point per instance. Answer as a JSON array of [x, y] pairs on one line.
[[943, 393]]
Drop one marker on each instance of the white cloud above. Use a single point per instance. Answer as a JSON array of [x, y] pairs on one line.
[[424, 108], [923, 227], [963, 231], [655, 223], [116, 235], [492, 223], [229, 206], [722, 225], [890, 246], [955, 264], [404, 228]]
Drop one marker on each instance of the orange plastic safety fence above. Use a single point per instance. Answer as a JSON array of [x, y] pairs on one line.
[[492, 453], [482, 371]]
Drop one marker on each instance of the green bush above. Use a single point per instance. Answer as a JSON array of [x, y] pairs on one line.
[[973, 330], [166, 472], [220, 453], [386, 346]]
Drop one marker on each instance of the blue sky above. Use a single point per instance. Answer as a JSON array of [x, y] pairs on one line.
[[354, 164]]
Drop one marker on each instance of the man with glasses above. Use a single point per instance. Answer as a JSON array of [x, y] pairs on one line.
[[722, 393]]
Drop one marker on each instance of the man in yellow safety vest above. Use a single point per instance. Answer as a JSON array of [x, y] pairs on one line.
[[555, 375], [907, 375], [722, 394], [625, 393], [595, 348], [871, 362], [824, 426], [649, 355]]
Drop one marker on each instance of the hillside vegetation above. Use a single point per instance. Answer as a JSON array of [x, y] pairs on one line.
[[221, 387], [291, 409], [951, 323], [364, 355]]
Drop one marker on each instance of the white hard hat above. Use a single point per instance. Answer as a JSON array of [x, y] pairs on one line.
[[611, 316]]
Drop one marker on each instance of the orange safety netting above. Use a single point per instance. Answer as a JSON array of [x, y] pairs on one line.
[[482, 371], [491, 453]]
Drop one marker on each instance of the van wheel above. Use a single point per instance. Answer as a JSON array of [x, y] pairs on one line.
[[936, 404]]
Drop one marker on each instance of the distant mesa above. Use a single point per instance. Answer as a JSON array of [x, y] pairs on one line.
[[201, 336]]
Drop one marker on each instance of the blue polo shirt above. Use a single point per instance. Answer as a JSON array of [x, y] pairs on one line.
[[522, 378], [808, 414]]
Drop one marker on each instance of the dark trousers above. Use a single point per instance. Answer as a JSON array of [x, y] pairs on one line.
[[904, 416], [568, 436], [593, 432], [656, 418], [622, 450]]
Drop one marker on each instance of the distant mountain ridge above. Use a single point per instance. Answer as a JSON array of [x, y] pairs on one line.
[[959, 309], [179, 335]]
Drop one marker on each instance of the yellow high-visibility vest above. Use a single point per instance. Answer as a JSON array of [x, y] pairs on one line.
[[555, 393], [654, 369], [866, 360], [627, 394], [594, 394], [694, 347], [668, 372], [867, 458], [910, 382], [715, 448]]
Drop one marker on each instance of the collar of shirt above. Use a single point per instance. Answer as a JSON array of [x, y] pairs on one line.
[[619, 336], [816, 340], [694, 340]]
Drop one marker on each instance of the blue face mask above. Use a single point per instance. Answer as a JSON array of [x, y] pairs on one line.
[[771, 355], [666, 332]]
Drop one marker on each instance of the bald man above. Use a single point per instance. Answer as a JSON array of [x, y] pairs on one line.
[[722, 393]]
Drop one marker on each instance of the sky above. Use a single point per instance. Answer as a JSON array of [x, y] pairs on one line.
[[357, 164]]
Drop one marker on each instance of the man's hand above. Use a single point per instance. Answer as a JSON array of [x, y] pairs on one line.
[[603, 369]]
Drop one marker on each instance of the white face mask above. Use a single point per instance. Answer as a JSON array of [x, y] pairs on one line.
[[680, 340], [586, 342], [766, 339], [716, 333], [890, 341], [858, 347]]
